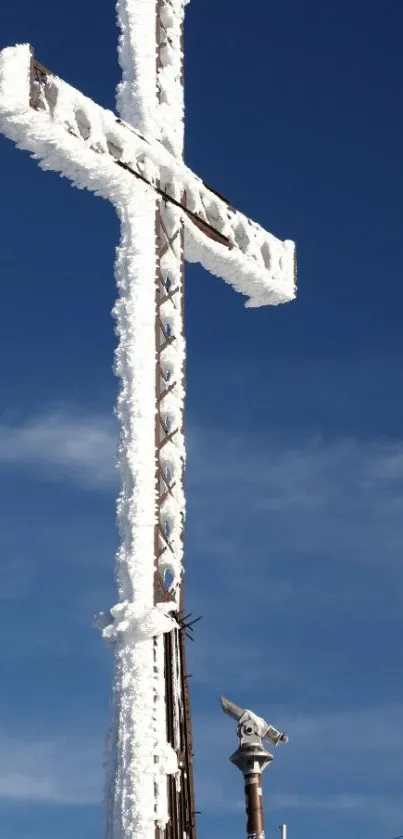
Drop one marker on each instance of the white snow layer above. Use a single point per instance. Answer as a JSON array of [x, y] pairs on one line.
[[69, 134], [170, 109], [140, 756], [14, 79], [150, 95], [136, 93]]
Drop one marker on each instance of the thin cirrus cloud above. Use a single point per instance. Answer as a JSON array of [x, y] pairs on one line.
[[310, 495], [267, 495], [50, 771], [266, 472], [328, 765], [63, 445]]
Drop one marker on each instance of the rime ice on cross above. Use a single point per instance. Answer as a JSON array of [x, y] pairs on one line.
[[167, 214]]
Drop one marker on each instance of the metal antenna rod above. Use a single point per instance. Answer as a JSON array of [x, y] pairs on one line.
[[252, 759]]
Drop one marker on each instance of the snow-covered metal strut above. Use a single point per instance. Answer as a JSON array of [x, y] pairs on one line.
[[167, 215]]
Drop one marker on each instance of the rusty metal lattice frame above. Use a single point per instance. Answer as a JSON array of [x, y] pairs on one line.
[[181, 796], [40, 73]]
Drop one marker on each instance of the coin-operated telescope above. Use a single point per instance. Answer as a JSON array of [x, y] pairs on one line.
[[252, 759]]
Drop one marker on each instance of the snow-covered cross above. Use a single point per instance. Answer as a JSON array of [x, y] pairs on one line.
[[167, 214]]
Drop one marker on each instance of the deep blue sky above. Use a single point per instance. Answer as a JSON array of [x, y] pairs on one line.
[[295, 479]]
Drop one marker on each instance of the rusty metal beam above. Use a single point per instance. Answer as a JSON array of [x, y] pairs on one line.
[[180, 796]]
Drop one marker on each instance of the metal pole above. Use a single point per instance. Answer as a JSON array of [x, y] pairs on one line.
[[252, 761], [252, 758], [254, 806], [283, 831]]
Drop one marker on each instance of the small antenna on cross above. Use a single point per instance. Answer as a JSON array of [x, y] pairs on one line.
[[186, 626]]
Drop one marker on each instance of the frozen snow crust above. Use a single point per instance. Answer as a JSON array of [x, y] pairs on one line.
[[150, 95], [70, 134]]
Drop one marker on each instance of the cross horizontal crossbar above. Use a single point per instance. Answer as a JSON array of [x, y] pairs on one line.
[[39, 71], [69, 133]]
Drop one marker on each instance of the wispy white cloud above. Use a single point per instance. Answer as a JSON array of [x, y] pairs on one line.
[[50, 771], [296, 546], [341, 497], [322, 770], [298, 801], [81, 447], [261, 476], [384, 808]]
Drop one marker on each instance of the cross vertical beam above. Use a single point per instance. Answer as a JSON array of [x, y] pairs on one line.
[[134, 795]]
